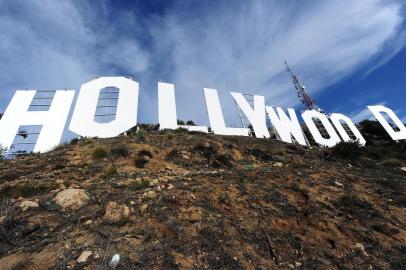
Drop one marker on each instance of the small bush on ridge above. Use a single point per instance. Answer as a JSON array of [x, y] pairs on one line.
[[99, 153]]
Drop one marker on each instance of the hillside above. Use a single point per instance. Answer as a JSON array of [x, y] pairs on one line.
[[178, 200]]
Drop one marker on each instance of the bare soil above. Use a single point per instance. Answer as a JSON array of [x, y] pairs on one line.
[[202, 201]]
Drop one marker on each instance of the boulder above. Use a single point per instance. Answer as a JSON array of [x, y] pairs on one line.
[[143, 208], [141, 161], [339, 184], [403, 169], [84, 256], [71, 199], [116, 213], [192, 214], [236, 155], [149, 194], [154, 182], [361, 248], [28, 204], [278, 164]]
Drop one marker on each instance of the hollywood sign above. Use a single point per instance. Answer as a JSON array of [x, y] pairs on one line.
[[83, 119]]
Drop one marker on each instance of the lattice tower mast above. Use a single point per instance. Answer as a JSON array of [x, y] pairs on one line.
[[305, 98]]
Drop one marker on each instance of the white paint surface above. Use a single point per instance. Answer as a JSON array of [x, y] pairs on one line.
[[286, 126], [52, 121], [329, 142], [167, 109], [216, 115], [337, 118], [83, 122], [395, 135], [255, 115]]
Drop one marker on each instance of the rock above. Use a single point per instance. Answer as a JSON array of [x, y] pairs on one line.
[[298, 264], [143, 208], [193, 214], [30, 227], [88, 222], [403, 169], [28, 204], [338, 184], [154, 182], [151, 194], [278, 164], [84, 256], [170, 186], [141, 161], [2, 218], [116, 213], [115, 260], [236, 155], [71, 199], [361, 248]]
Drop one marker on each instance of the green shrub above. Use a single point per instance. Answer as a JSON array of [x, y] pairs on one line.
[[356, 207], [74, 141], [145, 152], [87, 141], [143, 158], [119, 151], [170, 136], [111, 170], [347, 150], [140, 184], [99, 153], [59, 147], [392, 162], [3, 152], [141, 134], [249, 167], [27, 190]]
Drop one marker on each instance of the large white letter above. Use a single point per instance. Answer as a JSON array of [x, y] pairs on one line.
[[255, 115], [395, 135], [167, 109], [83, 122], [336, 118], [52, 121], [308, 118], [216, 115], [286, 126]]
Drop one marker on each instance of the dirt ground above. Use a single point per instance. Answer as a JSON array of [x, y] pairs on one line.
[[200, 201]]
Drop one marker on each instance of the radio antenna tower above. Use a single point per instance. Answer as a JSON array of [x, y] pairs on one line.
[[307, 101]]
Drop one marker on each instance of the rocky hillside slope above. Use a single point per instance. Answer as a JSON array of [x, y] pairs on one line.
[[163, 200]]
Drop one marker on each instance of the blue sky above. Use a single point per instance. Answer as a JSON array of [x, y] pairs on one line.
[[349, 54]]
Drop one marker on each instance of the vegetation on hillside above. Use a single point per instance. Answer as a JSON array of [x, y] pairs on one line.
[[187, 200]]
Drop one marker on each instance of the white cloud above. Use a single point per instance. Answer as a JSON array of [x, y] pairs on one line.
[[228, 45], [365, 114], [48, 44], [242, 46], [359, 116]]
